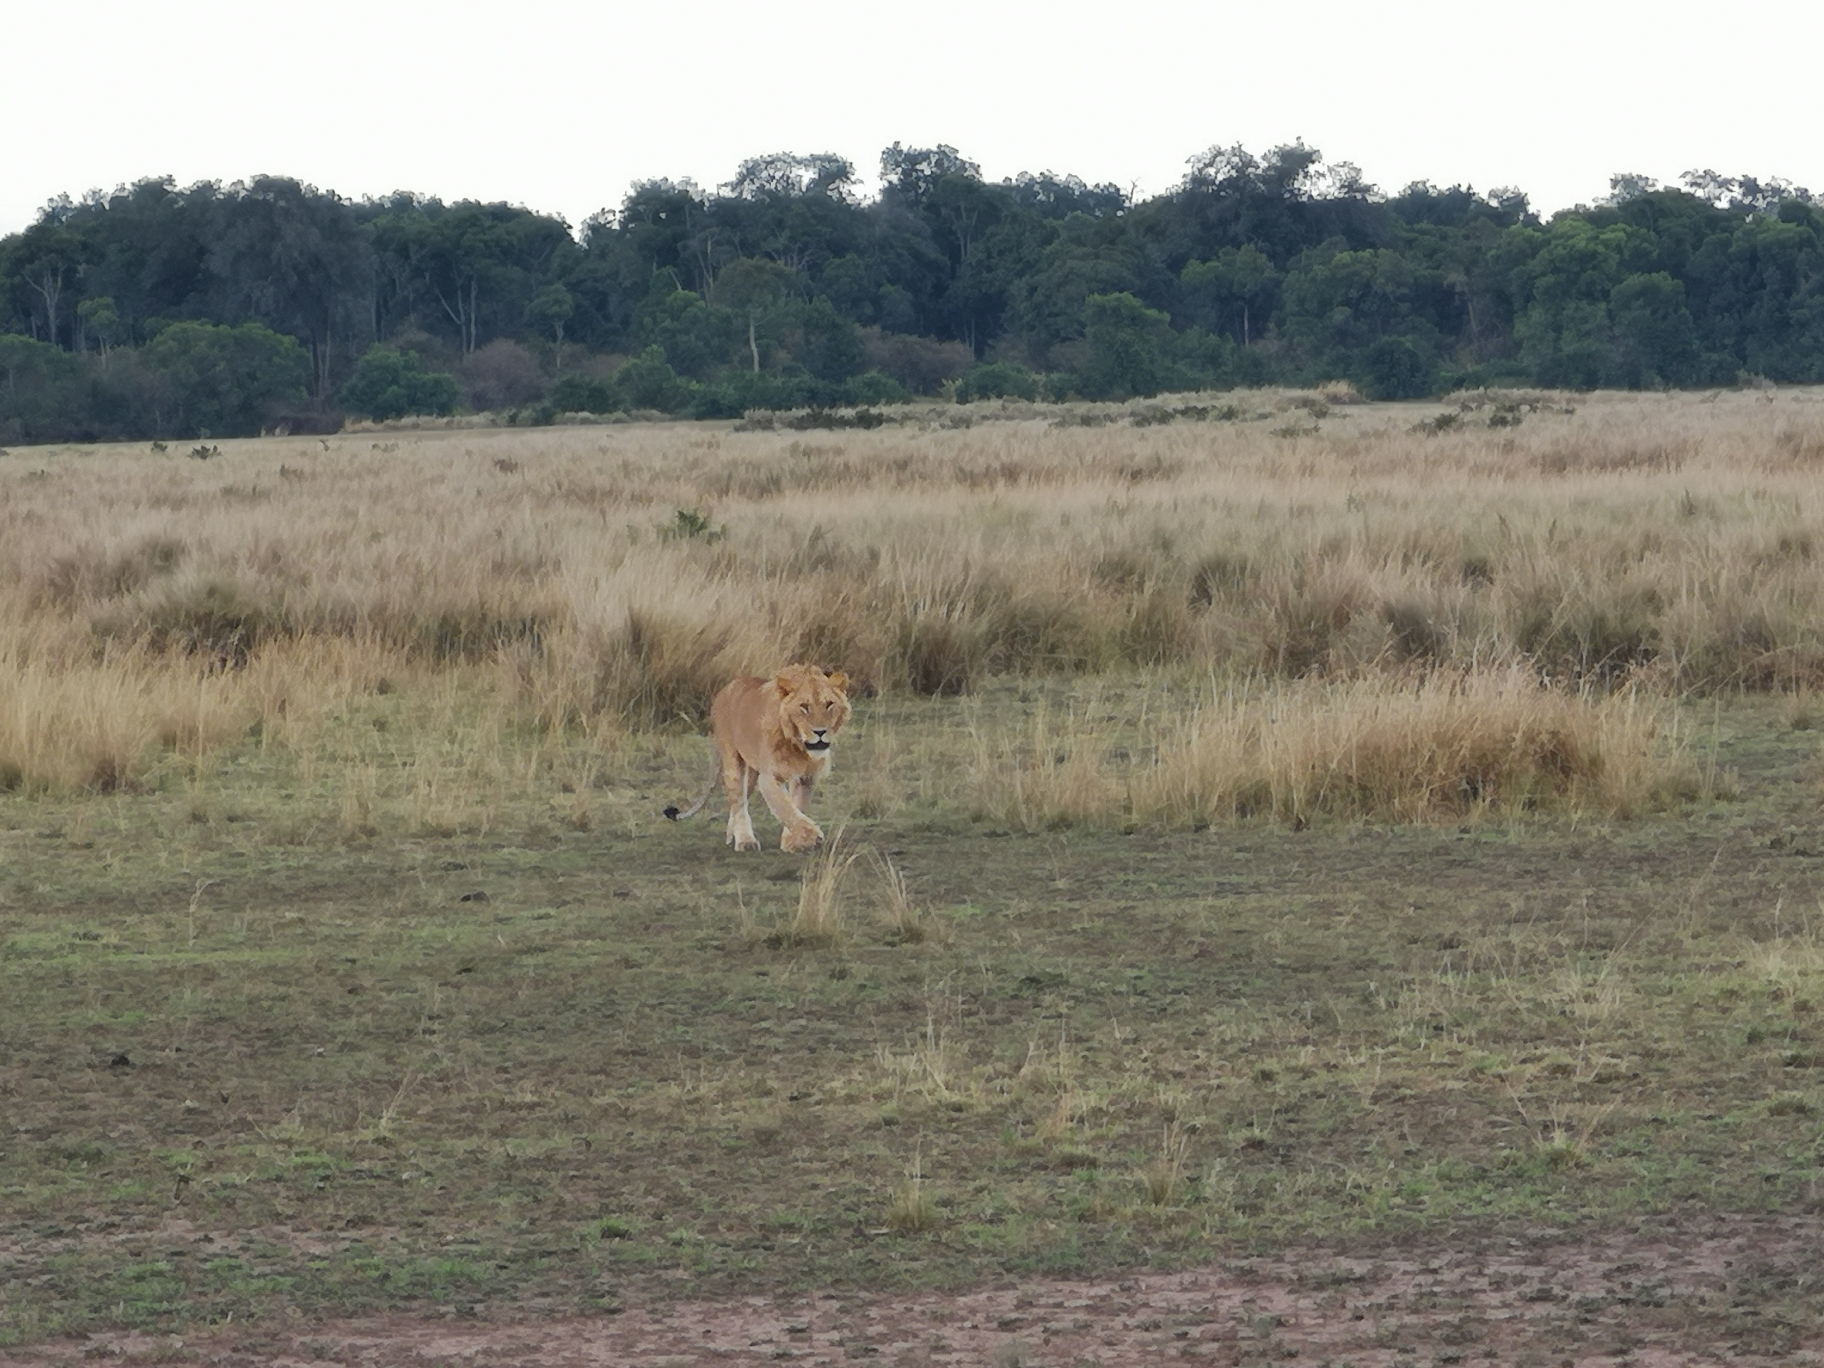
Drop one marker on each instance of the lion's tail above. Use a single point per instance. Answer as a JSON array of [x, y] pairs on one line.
[[702, 798]]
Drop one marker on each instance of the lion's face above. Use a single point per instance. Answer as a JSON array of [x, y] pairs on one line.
[[812, 705]]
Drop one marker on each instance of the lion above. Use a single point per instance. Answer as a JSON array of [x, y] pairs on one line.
[[775, 734]]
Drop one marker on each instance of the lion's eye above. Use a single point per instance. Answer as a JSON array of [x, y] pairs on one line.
[[804, 707]]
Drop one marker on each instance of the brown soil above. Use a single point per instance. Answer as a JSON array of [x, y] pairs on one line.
[[1734, 1291]]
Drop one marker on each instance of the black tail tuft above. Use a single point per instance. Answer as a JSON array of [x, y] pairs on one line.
[[672, 812]]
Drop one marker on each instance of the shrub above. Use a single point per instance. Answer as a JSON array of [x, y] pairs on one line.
[[575, 393], [997, 380], [735, 392], [647, 381], [1130, 349], [223, 381], [502, 375], [42, 391], [921, 364], [388, 383], [1395, 369], [874, 387]]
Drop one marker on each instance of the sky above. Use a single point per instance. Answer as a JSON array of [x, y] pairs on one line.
[[561, 107]]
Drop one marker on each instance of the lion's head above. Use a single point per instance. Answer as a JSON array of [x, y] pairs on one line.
[[812, 705]]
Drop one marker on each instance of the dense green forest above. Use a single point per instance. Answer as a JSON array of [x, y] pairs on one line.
[[212, 310]]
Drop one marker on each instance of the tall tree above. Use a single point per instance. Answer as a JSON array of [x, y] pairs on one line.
[[47, 259], [911, 173], [750, 286], [294, 258]]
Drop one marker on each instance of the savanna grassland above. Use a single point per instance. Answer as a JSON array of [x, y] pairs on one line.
[[1268, 820]]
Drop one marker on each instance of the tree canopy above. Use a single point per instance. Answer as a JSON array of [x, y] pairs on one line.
[[787, 284]]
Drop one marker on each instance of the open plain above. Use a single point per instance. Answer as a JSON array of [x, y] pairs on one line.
[[1310, 879]]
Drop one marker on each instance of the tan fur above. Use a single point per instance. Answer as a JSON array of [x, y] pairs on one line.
[[768, 733]]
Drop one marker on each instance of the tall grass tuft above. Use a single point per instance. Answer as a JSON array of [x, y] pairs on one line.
[[71, 722], [911, 1209], [1434, 747], [905, 922], [820, 917], [1438, 746], [1162, 1178]]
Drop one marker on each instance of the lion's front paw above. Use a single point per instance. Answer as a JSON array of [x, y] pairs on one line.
[[743, 840], [800, 840]]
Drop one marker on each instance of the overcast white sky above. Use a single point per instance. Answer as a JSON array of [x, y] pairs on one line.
[[561, 106]]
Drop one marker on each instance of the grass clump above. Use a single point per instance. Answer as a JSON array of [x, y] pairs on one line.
[[1162, 1179], [911, 1210], [820, 917], [906, 922], [1439, 746], [70, 723]]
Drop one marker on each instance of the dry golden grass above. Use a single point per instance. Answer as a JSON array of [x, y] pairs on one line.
[[72, 721], [1419, 747], [1162, 1178], [152, 600], [898, 908], [821, 917]]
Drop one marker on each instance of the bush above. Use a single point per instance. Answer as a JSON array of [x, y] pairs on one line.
[[997, 380], [1131, 349], [50, 395], [390, 384], [921, 364], [874, 387], [735, 392], [40, 390], [583, 394], [222, 381], [1395, 369], [647, 381], [502, 375]]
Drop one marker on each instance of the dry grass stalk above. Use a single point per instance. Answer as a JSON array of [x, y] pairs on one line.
[[820, 918], [358, 801], [1164, 1176], [902, 916], [1058, 1126], [936, 1066], [911, 1208]]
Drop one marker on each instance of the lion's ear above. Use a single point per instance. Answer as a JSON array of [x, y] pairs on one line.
[[782, 687], [839, 680]]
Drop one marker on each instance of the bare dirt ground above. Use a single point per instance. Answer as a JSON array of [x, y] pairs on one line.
[[1709, 1293]]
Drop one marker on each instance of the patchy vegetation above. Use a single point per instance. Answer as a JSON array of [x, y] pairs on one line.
[[1370, 838], [283, 1037]]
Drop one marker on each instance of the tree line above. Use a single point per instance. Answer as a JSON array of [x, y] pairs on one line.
[[219, 310]]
